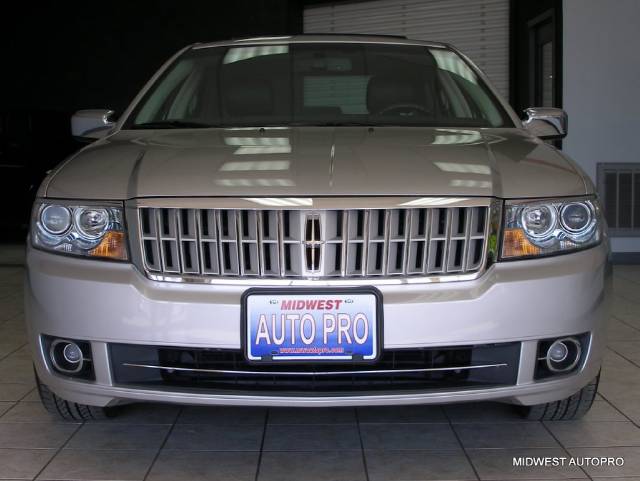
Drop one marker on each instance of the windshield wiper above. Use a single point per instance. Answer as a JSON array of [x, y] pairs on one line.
[[173, 124]]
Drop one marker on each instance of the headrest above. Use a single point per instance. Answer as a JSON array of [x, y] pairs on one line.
[[385, 91], [249, 97]]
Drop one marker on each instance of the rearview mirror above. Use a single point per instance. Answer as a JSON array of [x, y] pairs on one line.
[[546, 122], [91, 124]]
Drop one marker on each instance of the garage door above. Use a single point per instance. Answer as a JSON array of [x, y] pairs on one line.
[[480, 28]]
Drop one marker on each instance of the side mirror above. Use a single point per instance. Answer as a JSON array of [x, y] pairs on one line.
[[91, 124], [546, 122]]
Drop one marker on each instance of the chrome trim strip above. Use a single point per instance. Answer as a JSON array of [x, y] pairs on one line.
[[313, 203], [316, 282], [317, 373]]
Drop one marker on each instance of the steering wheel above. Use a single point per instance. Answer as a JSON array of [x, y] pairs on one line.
[[404, 109]]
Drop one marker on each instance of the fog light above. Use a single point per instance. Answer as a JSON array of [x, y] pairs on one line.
[[70, 357], [564, 354], [558, 351], [72, 353], [560, 356], [66, 356]]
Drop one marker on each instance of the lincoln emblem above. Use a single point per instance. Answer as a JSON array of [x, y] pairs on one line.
[[313, 243]]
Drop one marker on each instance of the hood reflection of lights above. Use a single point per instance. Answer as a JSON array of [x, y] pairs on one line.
[[255, 182], [429, 201], [255, 165], [259, 145], [282, 202], [481, 184], [457, 137], [259, 141], [257, 150], [463, 168]]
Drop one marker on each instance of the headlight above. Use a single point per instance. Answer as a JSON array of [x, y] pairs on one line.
[[56, 219], [544, 227], [80, 228], [91, 223]]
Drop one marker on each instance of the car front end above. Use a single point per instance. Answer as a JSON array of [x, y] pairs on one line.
[[298, 265], [164, 329]]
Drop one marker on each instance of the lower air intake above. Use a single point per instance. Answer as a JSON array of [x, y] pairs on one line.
[[398, 370]]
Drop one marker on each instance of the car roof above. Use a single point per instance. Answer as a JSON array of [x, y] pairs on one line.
[[322, 38]]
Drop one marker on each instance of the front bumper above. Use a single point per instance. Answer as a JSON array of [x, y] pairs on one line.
[[523, 301]]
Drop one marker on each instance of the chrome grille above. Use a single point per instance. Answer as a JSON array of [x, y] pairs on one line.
[[348, 243]]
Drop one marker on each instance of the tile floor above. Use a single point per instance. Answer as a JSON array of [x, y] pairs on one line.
[[164, 442]]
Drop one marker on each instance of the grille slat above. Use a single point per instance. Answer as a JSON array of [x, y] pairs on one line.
[[355, 243]]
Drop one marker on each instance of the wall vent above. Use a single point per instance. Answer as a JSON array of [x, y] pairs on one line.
[[619, 187]]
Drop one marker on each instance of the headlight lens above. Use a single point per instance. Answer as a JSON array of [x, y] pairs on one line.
[[576, 217], [538, 220], [56, 219], [550, 226], [88, 230], [91, 222]]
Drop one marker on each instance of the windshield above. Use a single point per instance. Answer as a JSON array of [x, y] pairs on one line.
[[318, 84]]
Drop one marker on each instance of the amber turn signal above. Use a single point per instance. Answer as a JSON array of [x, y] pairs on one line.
[[113, 245], [516, 244]]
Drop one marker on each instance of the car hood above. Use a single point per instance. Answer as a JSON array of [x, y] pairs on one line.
[[317, 161]]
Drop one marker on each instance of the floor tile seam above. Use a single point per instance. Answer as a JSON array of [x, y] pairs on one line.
[[636, 364], [612, 404], [362, 450], [13, 404], [563, 447], [162, 445], [462, 446], [59, 450], [262, 441], [625, 323], [2, 358], [624, 277]]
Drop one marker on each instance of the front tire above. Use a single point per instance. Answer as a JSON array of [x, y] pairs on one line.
[[67, 410], [573, 407]]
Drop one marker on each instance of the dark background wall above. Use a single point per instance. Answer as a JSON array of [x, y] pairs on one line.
[[69, 55], [61, 56], [523, 17]]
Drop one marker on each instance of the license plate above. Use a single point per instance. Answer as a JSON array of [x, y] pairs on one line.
[[312, 325]]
